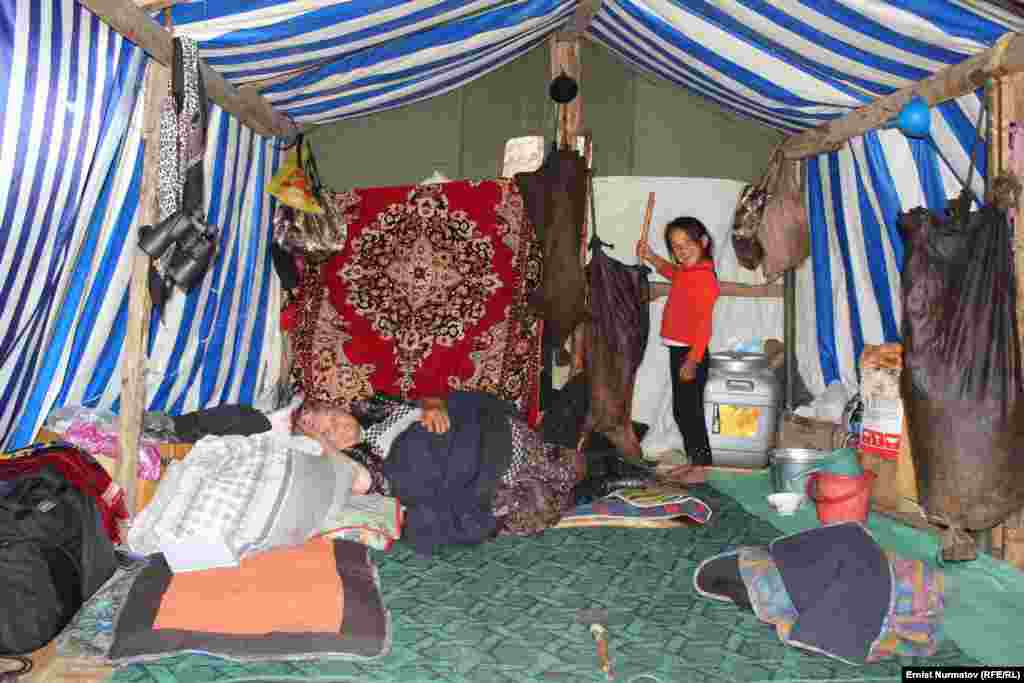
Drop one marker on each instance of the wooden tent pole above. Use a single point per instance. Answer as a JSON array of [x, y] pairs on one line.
[[1005, 57], [565, 58], [246, 104], [133, 367], [1007, 105]]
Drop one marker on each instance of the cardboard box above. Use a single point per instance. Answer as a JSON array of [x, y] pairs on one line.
[[803, 432], [885, 445]]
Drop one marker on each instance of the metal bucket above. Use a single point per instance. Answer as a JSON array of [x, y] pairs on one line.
[[790, 468]]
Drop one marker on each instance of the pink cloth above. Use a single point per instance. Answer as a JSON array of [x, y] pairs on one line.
[[88, 436]]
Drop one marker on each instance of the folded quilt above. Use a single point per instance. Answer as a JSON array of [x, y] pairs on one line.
[[165, 614]]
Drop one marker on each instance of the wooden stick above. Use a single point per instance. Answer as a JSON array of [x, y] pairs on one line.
[[645, 232], [133, 364], [1006, 57]]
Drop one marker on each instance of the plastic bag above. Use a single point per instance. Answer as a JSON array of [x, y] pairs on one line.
[[962, 383], [292, 185], [312, 233]]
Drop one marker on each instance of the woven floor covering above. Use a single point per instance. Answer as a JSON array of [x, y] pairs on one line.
[[506, 612]]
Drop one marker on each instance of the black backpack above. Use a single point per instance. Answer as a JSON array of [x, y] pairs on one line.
[[54, 554]]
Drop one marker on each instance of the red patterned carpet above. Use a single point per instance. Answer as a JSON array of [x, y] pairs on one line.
[[428, 295]]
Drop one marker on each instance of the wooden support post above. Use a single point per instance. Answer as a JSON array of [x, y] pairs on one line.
[[1007, 57], [565, 57], [246, 104], [133, 366], [1006, 106]]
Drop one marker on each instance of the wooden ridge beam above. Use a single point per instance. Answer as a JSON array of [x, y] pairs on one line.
[[246, 104], [1005, 57]]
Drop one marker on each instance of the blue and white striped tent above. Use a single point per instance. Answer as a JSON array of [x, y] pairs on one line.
[[71, 156]]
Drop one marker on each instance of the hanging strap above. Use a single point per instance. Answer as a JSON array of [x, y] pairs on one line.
[[595, 241], [967, 194], [313, 173]]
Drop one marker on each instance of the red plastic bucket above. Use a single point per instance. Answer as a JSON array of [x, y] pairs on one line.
[[840, 497]]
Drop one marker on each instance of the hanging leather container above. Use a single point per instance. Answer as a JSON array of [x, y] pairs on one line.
[[784, 233], [962, 383]]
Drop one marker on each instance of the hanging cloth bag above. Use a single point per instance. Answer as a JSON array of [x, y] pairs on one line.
[[784, 232]]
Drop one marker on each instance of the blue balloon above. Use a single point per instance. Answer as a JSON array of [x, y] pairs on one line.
[[915, 119]]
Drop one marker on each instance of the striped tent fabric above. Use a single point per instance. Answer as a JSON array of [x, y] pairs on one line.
[[319, 61], [795, 64], [71, 145]]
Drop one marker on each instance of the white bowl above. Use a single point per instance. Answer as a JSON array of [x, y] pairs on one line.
[[785, 503]]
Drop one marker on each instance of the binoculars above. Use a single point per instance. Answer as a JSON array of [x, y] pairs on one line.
[[195, 246]]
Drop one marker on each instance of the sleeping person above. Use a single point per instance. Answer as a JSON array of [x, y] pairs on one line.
[[466, 468]]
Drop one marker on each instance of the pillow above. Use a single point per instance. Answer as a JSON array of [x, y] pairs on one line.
[[360, 629], [253, 492]]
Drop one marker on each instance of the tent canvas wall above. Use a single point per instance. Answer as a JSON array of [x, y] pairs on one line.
[[70, 145], [640, 126]]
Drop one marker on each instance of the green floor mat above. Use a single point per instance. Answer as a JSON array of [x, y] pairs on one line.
[[505, 612], [984, 598]]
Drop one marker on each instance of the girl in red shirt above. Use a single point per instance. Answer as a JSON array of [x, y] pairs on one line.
[[686, 324]]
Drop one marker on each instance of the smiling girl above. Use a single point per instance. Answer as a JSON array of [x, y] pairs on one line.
[[686, 324]]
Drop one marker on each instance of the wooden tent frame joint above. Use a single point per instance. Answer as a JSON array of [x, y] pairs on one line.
[[580, 21], [246, 104], [1004, 58]]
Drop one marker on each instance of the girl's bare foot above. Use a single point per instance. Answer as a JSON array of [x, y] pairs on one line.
[[687, 474]]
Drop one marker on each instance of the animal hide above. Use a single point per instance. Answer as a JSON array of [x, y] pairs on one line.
[[615, 338], [962, 381], [555, 197]]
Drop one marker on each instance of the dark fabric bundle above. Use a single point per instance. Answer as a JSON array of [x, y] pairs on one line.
[[614, 344], [447, 481], [961, 380], [54, 554], [555, 197], [835, 570], [220, 421]]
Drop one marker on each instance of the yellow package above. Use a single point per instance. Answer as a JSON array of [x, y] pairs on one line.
[[291, 185]]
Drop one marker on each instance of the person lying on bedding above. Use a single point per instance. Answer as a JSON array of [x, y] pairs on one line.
[[466, 468]]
